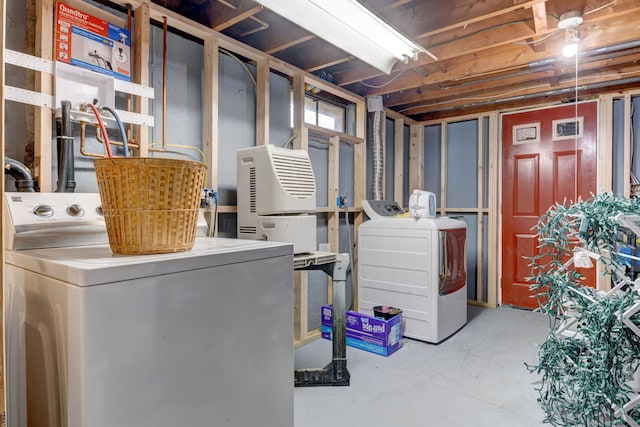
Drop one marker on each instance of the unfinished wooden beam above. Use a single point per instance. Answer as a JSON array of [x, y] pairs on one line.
[[480, 220], [628, 148], [289, 42], [262, 102], [141, 35], [3, 27], [298, 112], [225, 21], [606, 143], [493, 275], [540, 19], [210, 110], [416, 158], [444, 135], [333, 216], [43, 118]]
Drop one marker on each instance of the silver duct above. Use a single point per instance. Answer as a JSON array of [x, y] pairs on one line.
[[374, 105]]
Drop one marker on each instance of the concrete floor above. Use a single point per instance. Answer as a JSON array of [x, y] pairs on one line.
[[475, 378]]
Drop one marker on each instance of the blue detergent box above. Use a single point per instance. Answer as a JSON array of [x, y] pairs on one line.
[[365, 332]]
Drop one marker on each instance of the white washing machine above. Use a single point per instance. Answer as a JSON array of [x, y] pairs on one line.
[[417, 265], [197, 338]]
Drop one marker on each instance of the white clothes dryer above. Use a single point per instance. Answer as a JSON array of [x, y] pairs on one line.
[[417, 265]]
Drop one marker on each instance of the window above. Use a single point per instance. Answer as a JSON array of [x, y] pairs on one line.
[[322, 113]]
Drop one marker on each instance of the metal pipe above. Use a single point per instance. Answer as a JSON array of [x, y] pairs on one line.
[[23, 177], [377, 158], [547, 93]]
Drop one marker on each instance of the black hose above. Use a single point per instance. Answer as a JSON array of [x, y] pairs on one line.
[[66, 166], [23, 177]]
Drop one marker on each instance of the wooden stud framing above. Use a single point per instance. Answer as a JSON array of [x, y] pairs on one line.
[[301, 139], [333, 184], [300, 278], [416, 157], [359, 192], [210, 110], [626, 176], [443, 167], [480, 214], [494, 209], [606, 143], [141, 35], [43, 118], [3, 396], [605, 154], [333, 219], [262, 102]]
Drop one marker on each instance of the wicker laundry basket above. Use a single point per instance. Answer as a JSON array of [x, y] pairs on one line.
[[150, 205]]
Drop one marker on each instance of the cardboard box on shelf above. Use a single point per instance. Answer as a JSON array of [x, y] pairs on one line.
[[89, 42]]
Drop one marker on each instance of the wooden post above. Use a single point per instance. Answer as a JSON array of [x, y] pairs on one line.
[[210, 110], [606, 143], [262, 102], [3, 383], [493, 276], [416, 158], [443, 167], [480, 240], [333, 220], [141, 34], [606, 163], [43, 117], [626, 176], [300, 278]]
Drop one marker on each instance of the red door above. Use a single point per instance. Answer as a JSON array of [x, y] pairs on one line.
[[548, 156]]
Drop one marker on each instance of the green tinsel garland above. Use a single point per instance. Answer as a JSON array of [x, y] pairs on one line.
[[585, 366]]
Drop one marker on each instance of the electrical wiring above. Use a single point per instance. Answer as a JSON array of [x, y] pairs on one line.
[[600, 8], [188, 147], [386, 83], [590, 353], [243, 64], [540, 39]]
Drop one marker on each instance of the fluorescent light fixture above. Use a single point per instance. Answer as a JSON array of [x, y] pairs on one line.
[[350, 26]]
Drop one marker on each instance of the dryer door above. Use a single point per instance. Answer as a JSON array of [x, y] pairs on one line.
[[453, 260]]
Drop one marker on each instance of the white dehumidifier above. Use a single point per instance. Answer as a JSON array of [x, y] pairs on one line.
[[277, 196]]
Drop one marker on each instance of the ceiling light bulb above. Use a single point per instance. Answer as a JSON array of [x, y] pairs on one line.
[[570, 49], [572, 37]]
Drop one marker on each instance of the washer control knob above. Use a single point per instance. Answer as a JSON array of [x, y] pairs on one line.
[[75, 210], [43, 211], [99, 210]]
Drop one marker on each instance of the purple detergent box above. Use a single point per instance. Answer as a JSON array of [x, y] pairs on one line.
[[368, 333]]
